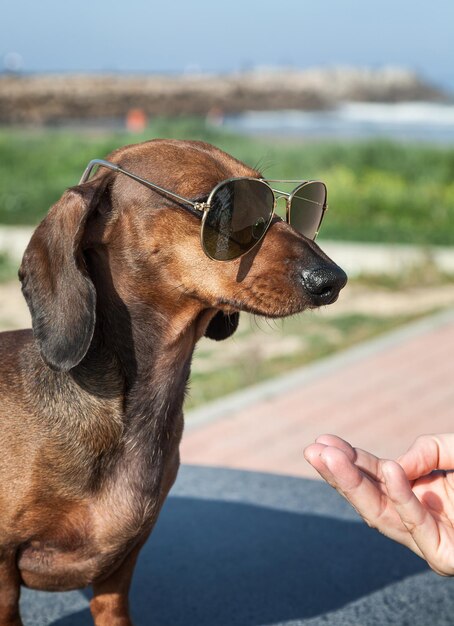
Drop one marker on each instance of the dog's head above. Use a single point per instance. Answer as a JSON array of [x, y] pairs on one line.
[[153, 250]]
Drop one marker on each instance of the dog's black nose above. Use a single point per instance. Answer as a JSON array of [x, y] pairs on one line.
[[324, 283]]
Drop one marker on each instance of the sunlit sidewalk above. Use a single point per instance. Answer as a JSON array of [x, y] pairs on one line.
[[379, 395]]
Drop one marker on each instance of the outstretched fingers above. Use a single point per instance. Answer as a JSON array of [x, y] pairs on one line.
[[365, 461], [365, 493], [337, 468]]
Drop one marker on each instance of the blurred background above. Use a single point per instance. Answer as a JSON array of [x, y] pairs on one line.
[[357, 94]]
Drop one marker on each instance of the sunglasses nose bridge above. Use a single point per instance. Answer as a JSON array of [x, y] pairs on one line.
[[280, 204]]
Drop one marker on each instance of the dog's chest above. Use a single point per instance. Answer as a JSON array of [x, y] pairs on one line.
[[121, 513], [130, 503], [88, 540], [89, 536]]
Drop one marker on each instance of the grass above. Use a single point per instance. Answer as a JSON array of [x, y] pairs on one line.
[[378, 191], [319, 337]]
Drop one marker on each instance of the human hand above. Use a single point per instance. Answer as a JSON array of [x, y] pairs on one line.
[[410, 501]]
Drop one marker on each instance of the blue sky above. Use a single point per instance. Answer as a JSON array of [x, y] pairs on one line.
[[169, 36]]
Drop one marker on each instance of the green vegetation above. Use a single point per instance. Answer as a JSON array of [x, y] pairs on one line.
[[378, 191], [216, 372]]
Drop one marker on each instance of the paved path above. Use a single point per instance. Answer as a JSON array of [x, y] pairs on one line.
[[379, 395]]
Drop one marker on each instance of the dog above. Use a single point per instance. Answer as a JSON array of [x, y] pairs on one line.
[[120, 290]]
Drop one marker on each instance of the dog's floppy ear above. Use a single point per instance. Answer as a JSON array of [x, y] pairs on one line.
[[222, 326], [55, 282]]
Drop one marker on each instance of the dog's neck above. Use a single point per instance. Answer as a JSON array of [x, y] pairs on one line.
[[153, 348], [156, 373]]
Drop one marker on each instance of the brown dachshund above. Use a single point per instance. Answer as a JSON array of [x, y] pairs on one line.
[[120, 290]]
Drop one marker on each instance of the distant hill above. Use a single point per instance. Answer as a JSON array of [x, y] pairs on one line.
[[47, 99]]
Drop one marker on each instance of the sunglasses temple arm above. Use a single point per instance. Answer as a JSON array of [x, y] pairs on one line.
[[94, 163], [147, 183]]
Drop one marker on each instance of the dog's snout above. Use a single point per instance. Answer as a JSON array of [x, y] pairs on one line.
[[324, 283]]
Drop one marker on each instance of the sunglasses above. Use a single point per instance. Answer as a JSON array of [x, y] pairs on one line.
[[238, 211]]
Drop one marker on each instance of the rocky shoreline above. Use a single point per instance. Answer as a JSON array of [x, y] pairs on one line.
[[48, 99]]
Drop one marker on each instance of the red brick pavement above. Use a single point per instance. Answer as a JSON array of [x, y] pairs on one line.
[[379, 397]]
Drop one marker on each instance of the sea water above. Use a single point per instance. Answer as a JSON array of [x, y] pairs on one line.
[[406, 121]]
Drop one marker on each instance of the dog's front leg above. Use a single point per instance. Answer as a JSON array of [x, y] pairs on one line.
[[9, 591], [109, 606]]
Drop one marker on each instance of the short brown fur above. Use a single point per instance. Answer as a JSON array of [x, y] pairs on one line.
[[91, 416]]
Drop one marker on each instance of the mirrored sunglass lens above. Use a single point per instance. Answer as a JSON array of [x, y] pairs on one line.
[[239, 214], [306, 208]]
